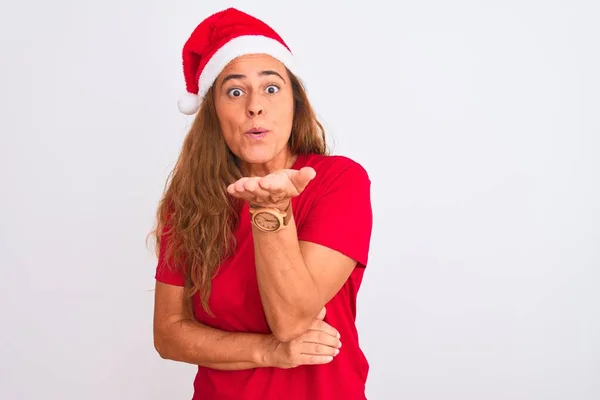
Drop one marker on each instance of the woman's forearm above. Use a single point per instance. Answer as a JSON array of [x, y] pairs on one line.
[[290, 297], [191, 342]]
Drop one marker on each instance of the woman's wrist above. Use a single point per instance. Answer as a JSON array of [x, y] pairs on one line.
[[283, 206], [263, 356]]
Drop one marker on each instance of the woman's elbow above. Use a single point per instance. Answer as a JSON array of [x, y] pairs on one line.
[[286, 335], [289, 330], [162, 345], [290, 324]]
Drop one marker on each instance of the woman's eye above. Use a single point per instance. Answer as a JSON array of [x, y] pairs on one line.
[[272, 89], [235, 92]]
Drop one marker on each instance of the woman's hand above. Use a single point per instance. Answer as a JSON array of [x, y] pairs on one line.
[[318, 345], [274, 190]]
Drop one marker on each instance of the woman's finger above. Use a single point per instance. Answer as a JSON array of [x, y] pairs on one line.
[[273, 183], [299, 179], [322, 313], [238, 186], [311, 359], [321, 338], [279, 184], [252, 187], [320, 325], [318, 349]]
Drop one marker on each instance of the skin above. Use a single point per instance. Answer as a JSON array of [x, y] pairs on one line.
[[255, 91], [296, 279], [181, 339]]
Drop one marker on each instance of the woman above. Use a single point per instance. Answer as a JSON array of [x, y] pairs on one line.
[[262, 236]]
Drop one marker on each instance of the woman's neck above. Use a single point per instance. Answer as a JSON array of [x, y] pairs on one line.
[[285, 161]]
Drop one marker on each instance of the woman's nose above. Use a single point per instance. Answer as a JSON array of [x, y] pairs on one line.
[[254, 107], [253, 111]]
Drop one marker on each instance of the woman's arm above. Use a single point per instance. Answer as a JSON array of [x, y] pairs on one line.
[[299, 272], [296, 279], [180, 339]]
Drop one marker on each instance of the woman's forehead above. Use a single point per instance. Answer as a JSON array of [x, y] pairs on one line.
[[253, 64]]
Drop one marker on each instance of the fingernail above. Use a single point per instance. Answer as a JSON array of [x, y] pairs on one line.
[[340, 345], [329, 358], [337, 351]]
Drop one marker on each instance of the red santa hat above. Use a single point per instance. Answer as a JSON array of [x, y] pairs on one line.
[[218, 40]]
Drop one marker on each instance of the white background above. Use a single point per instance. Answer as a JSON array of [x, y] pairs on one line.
[[477, 121]]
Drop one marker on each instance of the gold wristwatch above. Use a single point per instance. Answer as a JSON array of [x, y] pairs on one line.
[[269, 219]]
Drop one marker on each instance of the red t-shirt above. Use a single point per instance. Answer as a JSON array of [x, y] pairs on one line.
[[335, 211]]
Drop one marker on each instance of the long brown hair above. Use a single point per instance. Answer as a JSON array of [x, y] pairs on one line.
[[196, 213]]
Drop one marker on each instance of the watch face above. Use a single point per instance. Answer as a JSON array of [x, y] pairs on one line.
[[266, 221]]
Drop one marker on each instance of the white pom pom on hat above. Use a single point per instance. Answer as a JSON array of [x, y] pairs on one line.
[[189, 103], [217, 41]]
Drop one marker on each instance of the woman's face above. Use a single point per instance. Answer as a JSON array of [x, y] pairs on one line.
[[255, 106]]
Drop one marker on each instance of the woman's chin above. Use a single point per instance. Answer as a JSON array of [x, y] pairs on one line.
[[255, 159], [262, 162]]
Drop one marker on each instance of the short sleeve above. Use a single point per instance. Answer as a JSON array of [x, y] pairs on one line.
[[165, 272], [340, 217]]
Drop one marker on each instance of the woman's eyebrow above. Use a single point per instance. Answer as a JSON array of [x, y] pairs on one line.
[[261, 73]]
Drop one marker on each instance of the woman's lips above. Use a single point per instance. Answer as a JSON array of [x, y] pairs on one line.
[[257, 133]]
